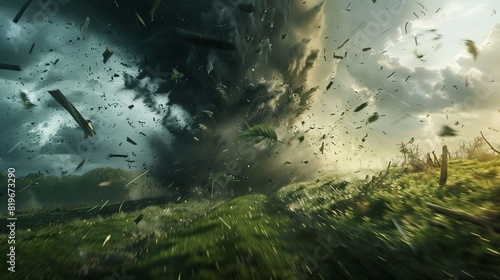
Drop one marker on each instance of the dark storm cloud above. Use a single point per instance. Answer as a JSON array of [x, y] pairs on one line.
[[262, 81]]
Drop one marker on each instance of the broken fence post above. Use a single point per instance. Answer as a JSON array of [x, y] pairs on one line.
[[444, 166]]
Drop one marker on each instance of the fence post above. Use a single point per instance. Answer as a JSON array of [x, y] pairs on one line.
[[444, 166]]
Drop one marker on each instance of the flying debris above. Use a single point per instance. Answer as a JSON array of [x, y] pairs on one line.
[[364, 138], [156, 4], [391, 74], [204, 40], [423, 7], [140, 19], [80, 165], [138, 218], [104, 184], [84, 124], [131, 141], [85, 27], [367, 49], [106, 240], [345, 42], [22, 10], [117, 155], [106, 55], [25, 100], [31, 49], [176, 75], [406, 27], [419, 55], [12, 149], [406, 80], [373, 118], [438, 36], [258, 133], [12, 67], [329, 85], [416, 15], [89, 123], [471, 48], [361, 107], [447, 131], [337, 56]]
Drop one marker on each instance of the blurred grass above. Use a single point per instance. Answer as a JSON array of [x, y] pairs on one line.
[[268, 236]]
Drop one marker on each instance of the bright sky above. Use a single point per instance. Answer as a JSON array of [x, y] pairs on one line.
[[441, 30]]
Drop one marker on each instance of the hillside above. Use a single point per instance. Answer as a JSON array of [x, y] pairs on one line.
[[321, 229]]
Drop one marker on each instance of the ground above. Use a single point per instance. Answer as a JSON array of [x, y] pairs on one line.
[[322, 229]]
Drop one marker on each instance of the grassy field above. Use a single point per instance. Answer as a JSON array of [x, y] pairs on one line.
[[322, 229]]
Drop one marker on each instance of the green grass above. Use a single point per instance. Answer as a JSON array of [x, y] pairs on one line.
[[267, 236]]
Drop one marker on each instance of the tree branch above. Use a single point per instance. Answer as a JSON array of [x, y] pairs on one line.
[[465, 217], [496, 151]]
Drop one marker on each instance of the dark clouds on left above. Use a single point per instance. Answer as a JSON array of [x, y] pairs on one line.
[[263, 80], [45, 137]]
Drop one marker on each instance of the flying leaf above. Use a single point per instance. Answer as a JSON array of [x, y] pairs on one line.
[[156, 3], [176, 75], [471, 48], [259, 133]]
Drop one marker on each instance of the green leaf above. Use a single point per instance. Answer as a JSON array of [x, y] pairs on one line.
[[176, 75], [260, 133], [156, 3], [471, 48]]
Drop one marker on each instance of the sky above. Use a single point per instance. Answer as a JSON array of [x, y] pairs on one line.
[[44, 139], [416, 108]]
